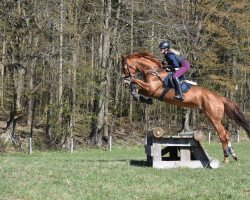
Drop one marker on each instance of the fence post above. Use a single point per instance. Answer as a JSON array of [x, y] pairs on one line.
[[71, 145], [110, 142], [238, 136], [30, 145]]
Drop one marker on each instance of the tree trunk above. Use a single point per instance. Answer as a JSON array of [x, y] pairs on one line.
[[101, 125], [92, 91], [17, 72], [2, 72], [15, 111], [193, 118], [49, 103], [31, 85], [186, 120], [60, 72], [61, 128], [131, 51]]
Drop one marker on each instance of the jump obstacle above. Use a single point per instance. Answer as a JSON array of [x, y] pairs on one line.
[[173, 151]]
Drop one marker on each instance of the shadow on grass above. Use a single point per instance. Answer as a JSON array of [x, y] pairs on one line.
[[139, 163], [104, 160]]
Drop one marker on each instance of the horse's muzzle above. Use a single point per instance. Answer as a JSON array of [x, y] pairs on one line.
[[127, 80]]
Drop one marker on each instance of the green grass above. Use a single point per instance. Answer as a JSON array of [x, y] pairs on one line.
[[119, 174]]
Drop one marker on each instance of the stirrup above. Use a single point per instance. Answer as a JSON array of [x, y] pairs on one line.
[[179, 96]]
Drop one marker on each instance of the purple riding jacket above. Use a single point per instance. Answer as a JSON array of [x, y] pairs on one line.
[[176, 61]]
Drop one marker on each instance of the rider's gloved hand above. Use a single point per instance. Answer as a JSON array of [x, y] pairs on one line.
[[164, 64]]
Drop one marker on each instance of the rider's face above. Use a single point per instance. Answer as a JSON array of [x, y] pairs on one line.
[[164, 51]]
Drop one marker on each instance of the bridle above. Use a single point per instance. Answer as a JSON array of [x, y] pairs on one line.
[[127, 67], [130, 77]]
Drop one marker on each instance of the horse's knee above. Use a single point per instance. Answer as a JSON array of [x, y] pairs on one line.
[[223, 138], [133, 87]]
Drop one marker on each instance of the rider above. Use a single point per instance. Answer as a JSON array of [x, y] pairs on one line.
[[174, 61]]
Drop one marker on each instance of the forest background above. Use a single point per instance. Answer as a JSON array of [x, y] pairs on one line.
[[61, 74]]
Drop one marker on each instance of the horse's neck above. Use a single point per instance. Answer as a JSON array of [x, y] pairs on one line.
[[147, 66]]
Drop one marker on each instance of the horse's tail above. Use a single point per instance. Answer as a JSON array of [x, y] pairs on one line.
[[233, 111]]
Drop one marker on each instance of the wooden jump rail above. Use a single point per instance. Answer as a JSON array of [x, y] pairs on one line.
[[173, 151]]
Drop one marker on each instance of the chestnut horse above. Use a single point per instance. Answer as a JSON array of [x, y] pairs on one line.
[[212, 104]]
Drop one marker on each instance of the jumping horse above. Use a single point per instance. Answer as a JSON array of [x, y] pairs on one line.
[[212, 104]]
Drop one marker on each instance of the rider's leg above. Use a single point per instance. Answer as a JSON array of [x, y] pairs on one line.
[[177, 85], [184, 68]]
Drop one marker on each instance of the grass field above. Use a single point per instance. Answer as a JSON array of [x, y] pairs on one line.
[[119, 174]]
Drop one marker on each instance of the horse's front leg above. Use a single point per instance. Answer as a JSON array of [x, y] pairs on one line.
[[138, 93], [144, 86]]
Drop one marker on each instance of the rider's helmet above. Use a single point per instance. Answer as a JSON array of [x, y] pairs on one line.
[[164, 45]]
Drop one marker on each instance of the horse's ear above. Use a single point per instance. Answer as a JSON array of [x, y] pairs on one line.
[[122, 58]]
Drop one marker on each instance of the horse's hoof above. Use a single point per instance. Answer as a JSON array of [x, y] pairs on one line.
[[226, 160], [235, 157], [146, 100]]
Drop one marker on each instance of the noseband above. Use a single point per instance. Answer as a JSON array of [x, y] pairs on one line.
[[153, 71], [127, 67]]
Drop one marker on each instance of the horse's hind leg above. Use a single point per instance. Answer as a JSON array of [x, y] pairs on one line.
[[215, 115], [231, 151], [225, 140]]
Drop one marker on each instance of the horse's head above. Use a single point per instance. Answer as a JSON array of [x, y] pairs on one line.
[[139, 61], [129, 70]]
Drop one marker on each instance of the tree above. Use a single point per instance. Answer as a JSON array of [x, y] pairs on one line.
[[100, 129]]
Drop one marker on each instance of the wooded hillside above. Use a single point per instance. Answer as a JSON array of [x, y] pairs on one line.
[[61, 71]]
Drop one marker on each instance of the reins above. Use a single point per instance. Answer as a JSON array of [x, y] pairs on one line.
[[154, 71], [127, 67]]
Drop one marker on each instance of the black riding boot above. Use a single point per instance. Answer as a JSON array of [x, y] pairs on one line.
[[177, 86]]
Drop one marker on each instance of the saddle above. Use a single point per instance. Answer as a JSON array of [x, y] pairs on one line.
[[185, 83], [168, 84]]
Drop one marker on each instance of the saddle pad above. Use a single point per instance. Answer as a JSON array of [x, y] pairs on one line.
[[185, 87]]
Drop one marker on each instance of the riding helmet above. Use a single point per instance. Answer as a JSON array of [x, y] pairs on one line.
[[164, 45]]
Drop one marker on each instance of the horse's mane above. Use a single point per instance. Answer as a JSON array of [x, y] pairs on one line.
[[146, 55]]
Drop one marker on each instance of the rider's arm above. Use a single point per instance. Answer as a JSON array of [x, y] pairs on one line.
[[173, 61], [166, 66]]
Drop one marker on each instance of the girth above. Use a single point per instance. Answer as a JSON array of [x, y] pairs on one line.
[[155, 72]]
